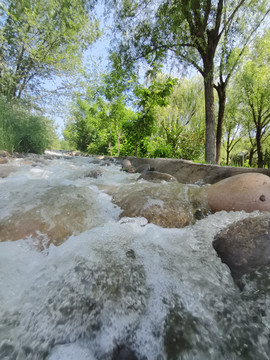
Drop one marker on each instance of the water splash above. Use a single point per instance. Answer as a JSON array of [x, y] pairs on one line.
[[162, 293]]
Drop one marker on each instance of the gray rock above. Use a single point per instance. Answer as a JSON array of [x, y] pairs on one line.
[[245, 245], [94, 173], [188, 172], [124, 353], [142, 169], [128, 169], [157, 177], [126, 163]]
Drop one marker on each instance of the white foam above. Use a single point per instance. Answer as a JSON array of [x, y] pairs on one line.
[[119, 283]]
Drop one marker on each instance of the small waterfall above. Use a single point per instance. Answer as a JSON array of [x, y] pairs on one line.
[[78, 282]]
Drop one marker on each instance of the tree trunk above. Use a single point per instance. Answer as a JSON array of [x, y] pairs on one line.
[[118, 144], [259, 148], [221, 90], [228, 149], [251, 157], [210, 130]]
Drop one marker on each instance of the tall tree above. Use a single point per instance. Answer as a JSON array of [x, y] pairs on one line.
[[180, 123], [188, 30], [233, 129], [254, 91], [39, 39], [230, 52]]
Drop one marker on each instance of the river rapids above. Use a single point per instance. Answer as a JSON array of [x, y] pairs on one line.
[[79, 283]]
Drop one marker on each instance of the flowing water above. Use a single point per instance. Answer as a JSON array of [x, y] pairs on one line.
[[78, 283]]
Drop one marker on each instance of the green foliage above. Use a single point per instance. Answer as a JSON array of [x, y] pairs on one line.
[[40, 39], [150, 98], [21, 131], [253, 86], [190, 32]]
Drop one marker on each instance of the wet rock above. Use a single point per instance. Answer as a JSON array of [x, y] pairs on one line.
[[246, 192], [166, 205], [105, 163], [156, 176], [60, 213], [179, 328], [3, 160], [129, 169], [142, 169], [95, 161], [94, 173], [124, 353], [6, 170], [188, 172], [126, 163], [4, 153], [245, 246]]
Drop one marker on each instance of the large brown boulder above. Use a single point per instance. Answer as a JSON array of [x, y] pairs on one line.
[[171, 205], [246, 192], [245, 245], [59, 213]]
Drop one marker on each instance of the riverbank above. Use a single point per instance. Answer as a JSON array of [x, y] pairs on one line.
[[188, 172]]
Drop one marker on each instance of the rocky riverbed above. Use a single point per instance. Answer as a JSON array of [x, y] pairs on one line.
[[100, 263]]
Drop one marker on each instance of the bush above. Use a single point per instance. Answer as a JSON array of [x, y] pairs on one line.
[[22, 131]]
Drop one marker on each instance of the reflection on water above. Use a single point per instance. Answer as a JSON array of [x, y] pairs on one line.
[[115, 289]]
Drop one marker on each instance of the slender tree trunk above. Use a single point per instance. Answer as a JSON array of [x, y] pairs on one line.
[[228, 149], [118, 144], [110, 139], [251, 153], [259, 147], [210, 130], [221, 90], [228, 157]]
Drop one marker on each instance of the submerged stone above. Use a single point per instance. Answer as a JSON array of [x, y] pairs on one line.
[[166, 205], [61, 212]]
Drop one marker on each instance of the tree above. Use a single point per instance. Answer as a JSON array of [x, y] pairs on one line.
[[229, 53], [116, 85], [23, 131], [254, 91], [180, 123], [149, 99], [232, 125], [84, 127], [190, 31], [40, 39]]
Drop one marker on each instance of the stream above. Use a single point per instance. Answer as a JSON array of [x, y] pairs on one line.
[[77, 282]]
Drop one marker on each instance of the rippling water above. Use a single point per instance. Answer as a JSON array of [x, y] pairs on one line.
[[78, 283]]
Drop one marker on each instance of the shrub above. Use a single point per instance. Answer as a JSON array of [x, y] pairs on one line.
[[22, 131]]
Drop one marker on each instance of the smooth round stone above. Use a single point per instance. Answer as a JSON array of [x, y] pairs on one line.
[[248, 192]]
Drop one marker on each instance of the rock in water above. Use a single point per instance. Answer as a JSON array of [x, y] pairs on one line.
[[245, 245], [248, 192], [126, 163], [142, 169], [157, 176], [167, 205]]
